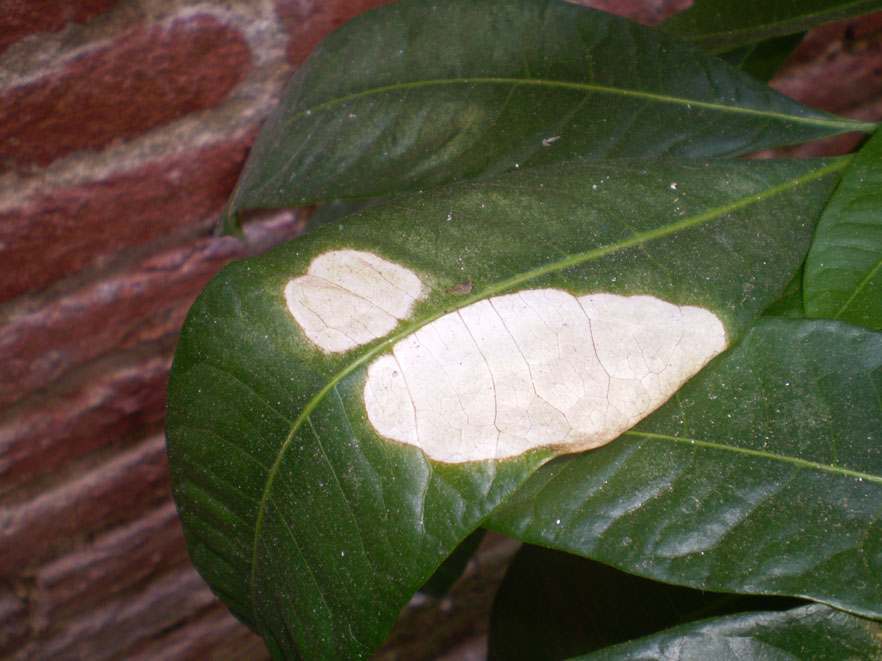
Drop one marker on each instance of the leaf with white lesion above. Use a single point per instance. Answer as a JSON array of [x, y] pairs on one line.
[[315, 526], [763, 475]]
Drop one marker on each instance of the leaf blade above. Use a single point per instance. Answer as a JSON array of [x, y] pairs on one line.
[[844, 267], [719, 26], [740, 489], [408, 97], [807, 632], [369, 518]]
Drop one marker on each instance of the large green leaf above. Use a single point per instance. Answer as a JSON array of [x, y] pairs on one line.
[[843, 274], [718, 25], [763, 475], [553, 605], [315, 529], [809, 632], [418, 93]]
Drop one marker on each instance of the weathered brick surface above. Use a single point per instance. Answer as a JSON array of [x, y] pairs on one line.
[[145, 78], [309, 22], [217, 635], [146, 302], [61, 517], [40, 437], [840, 75], [60, 231], [14, 619], [23, 17], [110, 565], [108, 631]]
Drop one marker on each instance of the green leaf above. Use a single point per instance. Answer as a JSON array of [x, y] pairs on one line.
[[719, 25], [790, 303], [810, 632], [313, 527], [843, 276], [453, 566], [553, 605], [418, 93], [762, 475], [762, 60]]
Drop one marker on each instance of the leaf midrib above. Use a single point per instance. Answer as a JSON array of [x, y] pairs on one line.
[[762, 454], [507, 284], [832, 122]]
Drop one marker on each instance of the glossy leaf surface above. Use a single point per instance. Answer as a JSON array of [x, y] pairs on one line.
[[762, 475], [843, 274], [809, 632], [419, 93], [312, 527], [718, 25]]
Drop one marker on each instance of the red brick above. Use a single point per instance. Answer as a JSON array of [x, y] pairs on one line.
[[13, 621], [24, 17], [39, 438], [217, 635], [58, 232], [840, 75], [117, 491], [308, 22], [144, 79], [146, 301], [107, 631], [113, 564]]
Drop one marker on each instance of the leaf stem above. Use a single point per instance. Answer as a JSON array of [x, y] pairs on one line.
[[801, 463]]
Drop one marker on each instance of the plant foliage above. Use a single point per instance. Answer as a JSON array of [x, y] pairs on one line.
[[530, 144]]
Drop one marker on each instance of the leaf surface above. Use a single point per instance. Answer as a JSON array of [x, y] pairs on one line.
[[843, 274], [314, 528], [763, 59], [719, 25], [419, 93], [809, 632], [762, 475]]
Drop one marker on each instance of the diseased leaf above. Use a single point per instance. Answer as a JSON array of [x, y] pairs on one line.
[[419, 93], [719, 25], [843, 274], [809, 632], [553, 605], [315, 528], [762, 475]]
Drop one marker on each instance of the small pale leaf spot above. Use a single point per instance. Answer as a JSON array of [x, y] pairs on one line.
[[539, 368], [350, 297]]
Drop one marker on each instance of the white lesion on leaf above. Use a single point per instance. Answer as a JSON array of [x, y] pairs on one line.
[[351, 297], [539, 368]]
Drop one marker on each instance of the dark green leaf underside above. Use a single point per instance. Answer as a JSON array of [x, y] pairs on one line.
[[410, 96], [553, 605], [763, 475]]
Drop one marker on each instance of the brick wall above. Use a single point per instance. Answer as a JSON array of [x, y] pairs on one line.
[[123, 126]]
